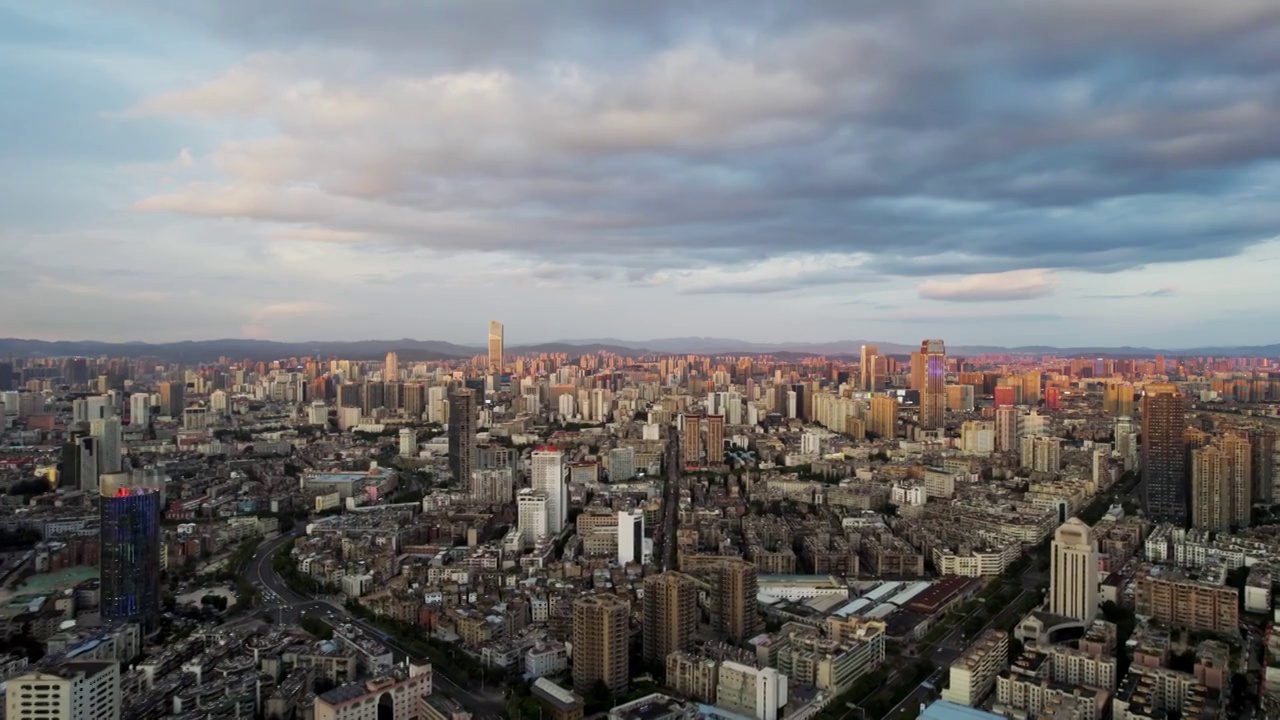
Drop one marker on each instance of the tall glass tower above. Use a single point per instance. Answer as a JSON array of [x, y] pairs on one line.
[[130, 550]]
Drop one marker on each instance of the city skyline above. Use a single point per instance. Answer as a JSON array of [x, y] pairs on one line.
[[1096, 174]]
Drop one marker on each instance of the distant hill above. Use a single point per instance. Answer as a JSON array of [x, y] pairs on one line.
[[192, 351]]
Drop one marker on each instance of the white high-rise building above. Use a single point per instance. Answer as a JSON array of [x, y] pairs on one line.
[[195, 417], [139, 408], [88, 409], [810, 443], [566, 405], [87, 690], [108, 433], [219, 402], [436, 404], [1073, 583], [408, 442], [749, 691], [630, 537], [547, 475], [533, 513], [318, 413]]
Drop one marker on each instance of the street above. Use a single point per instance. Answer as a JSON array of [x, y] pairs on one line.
[[289, 607]]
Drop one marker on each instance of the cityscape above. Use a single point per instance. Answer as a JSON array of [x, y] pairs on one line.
[[640, 360], [507, 535]]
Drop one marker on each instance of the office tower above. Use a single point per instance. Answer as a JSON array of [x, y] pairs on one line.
[[735, 584], [1117, 400], [391, 369], [1164, 460], [6, 377], [110, 437], [622, 464], [870, 381], [462, 436], [88, 409], [1073, 582], [496, 349], [70, 690], [130, 549], [933, 396], [601, 643], [670, 616], [547, 474], [630, 537], [172, 399], [884, 417], [533, 514]]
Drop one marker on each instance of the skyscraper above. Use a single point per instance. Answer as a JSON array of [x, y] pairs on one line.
[[1073, 584], [870, 380], [1164, 458], [933, 396], [172, 400], [462, 436], [108, 433], [670, 615], [391, 370], [496, 349], [129, 542], [601, 642], [547, 474]]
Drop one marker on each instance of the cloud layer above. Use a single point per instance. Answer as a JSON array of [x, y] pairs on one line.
[[333, 169]]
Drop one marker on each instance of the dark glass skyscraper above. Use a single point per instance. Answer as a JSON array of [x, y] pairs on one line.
[[462, 435], [130, 551], [1164, 458]]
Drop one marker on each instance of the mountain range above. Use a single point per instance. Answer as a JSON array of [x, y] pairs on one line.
[[408, 349]]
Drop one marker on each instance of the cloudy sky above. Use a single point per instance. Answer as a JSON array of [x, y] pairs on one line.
[[989, 171]]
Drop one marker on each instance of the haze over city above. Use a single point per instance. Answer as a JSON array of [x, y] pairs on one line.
[[1079, 173]]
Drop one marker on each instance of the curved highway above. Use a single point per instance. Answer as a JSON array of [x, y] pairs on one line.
[[289, 607]]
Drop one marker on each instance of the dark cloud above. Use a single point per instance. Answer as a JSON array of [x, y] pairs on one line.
[[1084, 134]]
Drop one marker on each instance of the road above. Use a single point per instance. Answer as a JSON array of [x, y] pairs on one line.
[[289, 607]]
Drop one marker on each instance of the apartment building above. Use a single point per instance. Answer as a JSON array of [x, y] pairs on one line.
[[87, 690], [396, 697], [1186, 599], [754, 692], [973, 675]]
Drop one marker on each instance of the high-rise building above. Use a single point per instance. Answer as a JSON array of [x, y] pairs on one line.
[[749, 691], [548, 474], [1073, 583], [622, 463], [630, 536], [735, 584], [601, 642], [933, 396], [1117, 400], [1008, 420], [391, 369], [1262, 466], [1041, 454], [670, 615], [702, 440], [532, 516], [916, 381], [1221, 484], [462, 436], [172, 399], [129, 549], [70, 690], [870, 381], [884, 417], [6, 377], [496, 349], [110, 438], [1164, 457]]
